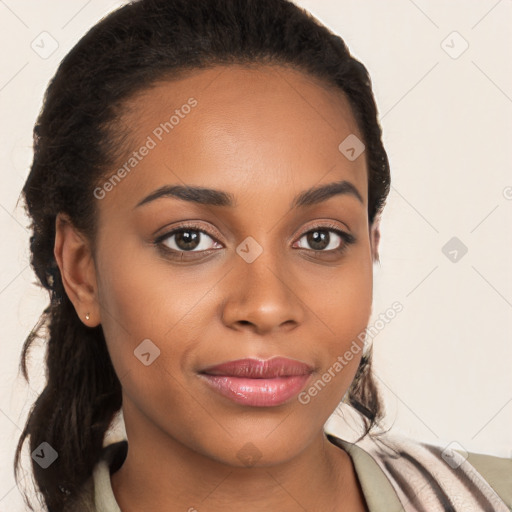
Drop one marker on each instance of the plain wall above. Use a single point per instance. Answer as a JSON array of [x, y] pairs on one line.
[[444, 363]]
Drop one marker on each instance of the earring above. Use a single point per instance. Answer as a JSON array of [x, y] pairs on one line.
[[87, 316]]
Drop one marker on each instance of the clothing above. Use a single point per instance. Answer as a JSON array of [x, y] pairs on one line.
[[397, 474]]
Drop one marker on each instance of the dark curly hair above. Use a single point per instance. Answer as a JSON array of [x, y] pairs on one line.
[[75, 146]]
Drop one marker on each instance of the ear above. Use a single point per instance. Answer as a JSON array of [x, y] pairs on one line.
[[375, 239], [76, 264]]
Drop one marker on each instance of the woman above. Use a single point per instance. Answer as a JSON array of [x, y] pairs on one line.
[[205, 194]]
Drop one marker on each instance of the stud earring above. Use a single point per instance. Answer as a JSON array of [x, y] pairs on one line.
[[87, 316]]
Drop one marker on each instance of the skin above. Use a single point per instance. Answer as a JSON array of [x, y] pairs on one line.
[[263, 134]]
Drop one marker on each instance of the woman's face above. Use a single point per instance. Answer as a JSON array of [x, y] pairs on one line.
[[247, 280]]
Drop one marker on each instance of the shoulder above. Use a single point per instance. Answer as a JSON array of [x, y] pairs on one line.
[[97, 488], [441, 478], [497, 471]]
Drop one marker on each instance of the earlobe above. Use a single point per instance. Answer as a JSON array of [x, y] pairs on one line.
[[76, 264]]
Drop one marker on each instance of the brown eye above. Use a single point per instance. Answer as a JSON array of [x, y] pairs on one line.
[[193, 240], [320, 239], [326, 239], [187, 240]]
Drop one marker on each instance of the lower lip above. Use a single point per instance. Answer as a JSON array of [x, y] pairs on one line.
[[257, 392]]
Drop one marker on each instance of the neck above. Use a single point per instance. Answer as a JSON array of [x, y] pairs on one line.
[[162, 474]]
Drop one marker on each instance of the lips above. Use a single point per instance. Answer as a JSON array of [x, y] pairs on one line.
[[260, 369], [257, 383]]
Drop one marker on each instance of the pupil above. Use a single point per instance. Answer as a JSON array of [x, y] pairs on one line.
[[187, 240], [313, 240]]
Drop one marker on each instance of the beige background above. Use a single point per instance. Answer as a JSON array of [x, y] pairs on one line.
[[443, 363]]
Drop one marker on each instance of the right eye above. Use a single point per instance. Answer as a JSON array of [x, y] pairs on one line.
[[186, 239]]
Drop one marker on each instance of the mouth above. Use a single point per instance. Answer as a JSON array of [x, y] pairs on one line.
[[258, 383]]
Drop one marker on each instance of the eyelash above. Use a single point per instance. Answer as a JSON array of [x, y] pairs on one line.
[[347, 238]]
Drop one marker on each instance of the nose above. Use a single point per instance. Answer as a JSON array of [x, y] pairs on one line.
[[262, 296]]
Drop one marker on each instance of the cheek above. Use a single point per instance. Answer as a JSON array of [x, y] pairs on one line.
[[342, 298], [138, 304], [142, 298], [343, 304]]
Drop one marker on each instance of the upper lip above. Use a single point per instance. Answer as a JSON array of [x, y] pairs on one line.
[[260, 369]]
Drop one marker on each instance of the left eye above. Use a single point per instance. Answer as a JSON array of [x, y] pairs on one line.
[[321, 239]]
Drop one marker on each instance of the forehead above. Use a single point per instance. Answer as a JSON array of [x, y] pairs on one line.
[[250, 127]]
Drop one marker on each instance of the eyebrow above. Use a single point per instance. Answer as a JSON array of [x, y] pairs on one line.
[[213, 197]]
